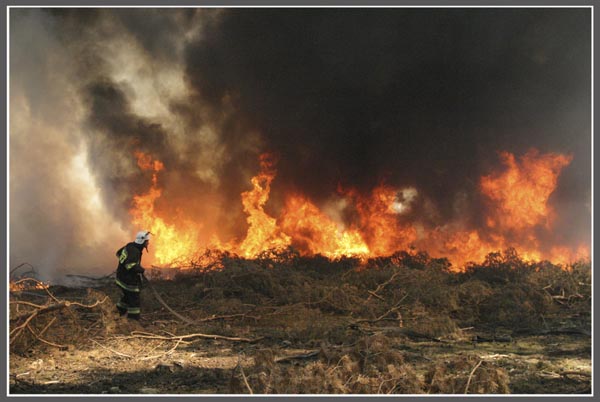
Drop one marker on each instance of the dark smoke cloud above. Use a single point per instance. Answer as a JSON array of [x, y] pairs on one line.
[[415, 97], [351, 97]]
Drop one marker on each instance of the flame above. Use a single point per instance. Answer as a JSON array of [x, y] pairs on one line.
[[263, 233], [170, 243], [27, 284], [520, 194], [564, 255], [315, 232], [459, 246], [379, 221], [517, 210]]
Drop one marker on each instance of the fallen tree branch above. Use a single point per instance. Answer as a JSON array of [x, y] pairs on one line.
[[302, 356], [189, 336], [226, 317], [580, 373], [163, 354], [384, 315], [374, 293], [39, 310], [556, 331], [39, 338], [111, 350], [398, 331], [26, 303], [47, 326], [239, 365], [31, 315], [471, 376], [51, 307]]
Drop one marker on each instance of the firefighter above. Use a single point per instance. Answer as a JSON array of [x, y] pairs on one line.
[[130, 275]]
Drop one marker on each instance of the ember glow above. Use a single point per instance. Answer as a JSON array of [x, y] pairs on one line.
[[27, 284], [518, 205]]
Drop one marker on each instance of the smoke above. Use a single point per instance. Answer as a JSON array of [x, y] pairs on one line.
[[414, 97], [346, 98], [55, 219]]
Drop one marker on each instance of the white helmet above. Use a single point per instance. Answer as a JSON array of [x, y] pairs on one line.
[[142, 237]]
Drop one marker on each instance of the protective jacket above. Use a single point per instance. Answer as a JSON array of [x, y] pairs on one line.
[[130, 268]]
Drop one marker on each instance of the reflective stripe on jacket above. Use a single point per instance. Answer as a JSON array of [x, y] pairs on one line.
[[127, 287]]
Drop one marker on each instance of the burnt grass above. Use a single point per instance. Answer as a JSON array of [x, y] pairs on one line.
[[404, 324]]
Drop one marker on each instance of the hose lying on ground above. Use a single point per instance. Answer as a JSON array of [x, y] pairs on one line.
[[161, 301]]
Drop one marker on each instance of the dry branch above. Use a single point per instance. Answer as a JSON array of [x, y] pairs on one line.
[[580, 373], [375, 295], [163, 354], [302, 356], [25, 303], [471, 376], [51, 307], [39, 338], [239, 365], [417, 336], [40, 310], [382, 285], [226, 317], [190, 336], [384, 315], [111, 350]]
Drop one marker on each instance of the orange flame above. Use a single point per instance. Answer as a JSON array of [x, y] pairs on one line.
[[263, 233], [520, 194], [24, 284], [169, 243], [314, 232], [379, 222], [518, 208]]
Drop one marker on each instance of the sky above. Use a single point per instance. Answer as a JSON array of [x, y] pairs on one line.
[[344, 98]]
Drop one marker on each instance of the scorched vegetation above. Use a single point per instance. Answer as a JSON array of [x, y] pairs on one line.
[[286, 324]]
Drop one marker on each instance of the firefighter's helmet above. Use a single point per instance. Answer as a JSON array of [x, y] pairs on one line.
[[142, 237]]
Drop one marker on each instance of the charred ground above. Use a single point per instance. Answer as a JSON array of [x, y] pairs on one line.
[[287, 324]]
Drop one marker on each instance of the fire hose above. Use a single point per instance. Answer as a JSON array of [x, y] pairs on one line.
[[161, 301]]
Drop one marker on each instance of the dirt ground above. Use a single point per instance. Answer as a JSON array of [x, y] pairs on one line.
[[298, 331]]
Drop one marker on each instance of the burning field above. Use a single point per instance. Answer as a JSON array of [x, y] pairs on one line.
[[340, 200], [518, 216]]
